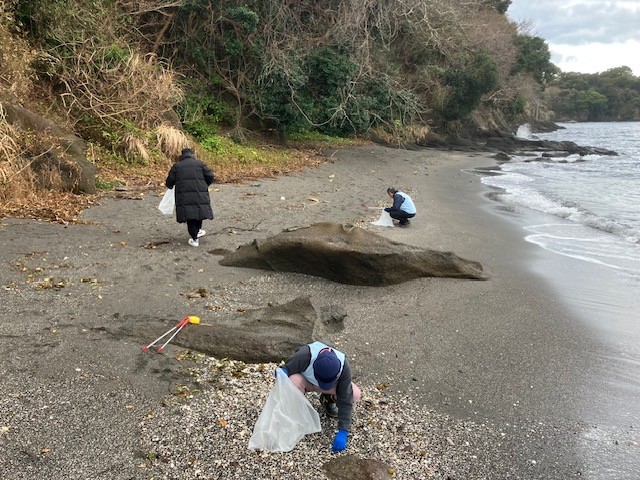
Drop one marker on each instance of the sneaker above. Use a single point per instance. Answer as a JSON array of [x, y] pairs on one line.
[[404, 224], [329, 404], [201, 233], [193, 243]]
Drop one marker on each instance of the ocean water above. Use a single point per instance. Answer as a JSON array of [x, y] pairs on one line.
[[592, 202], [585, 213]]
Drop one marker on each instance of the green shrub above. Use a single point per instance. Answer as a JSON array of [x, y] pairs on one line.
[[329, 69], [211, 143], [201, 112], [39, 18], [232, 47], [106, 185], [468, 83], [116, 55], [514, 107], [282, 99], [244, 16], [534, 58], [324, 93]]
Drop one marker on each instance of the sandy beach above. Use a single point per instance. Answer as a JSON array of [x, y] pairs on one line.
[[509, 370]]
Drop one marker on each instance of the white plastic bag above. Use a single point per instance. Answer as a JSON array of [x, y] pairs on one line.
[[385, 220], [287, 416], [168, 202]]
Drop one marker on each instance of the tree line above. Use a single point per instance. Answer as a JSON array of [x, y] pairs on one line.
[[613, 95]]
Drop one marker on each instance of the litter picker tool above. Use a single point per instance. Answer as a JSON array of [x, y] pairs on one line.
[[175, 330]]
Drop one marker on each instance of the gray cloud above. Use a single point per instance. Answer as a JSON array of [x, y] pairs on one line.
[[580, 22]]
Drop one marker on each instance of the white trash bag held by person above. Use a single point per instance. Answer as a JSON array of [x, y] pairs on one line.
[[385, 220], [168, 202], [286, 418]]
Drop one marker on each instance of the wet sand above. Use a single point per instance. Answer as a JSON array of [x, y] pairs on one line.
[[508, 352]]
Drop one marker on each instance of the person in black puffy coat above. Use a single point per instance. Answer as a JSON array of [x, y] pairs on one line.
[[191, 179]]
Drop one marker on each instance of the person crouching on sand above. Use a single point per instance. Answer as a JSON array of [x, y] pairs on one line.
[[402, 209], [316, 367], [191, 178]]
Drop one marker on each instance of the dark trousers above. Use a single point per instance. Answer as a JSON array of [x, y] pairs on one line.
[[194, 226], [401, 215]]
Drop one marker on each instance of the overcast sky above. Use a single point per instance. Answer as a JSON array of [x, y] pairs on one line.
[[587, 36]]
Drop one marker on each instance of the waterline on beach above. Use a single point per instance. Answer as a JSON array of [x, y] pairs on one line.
[[585, 216], [587, 244]]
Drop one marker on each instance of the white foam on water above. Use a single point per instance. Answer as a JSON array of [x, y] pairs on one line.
[[587, 244], [602, 193], [524, 131]]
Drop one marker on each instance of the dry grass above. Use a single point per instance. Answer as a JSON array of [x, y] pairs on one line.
[[137, 88], [17, 182], [136, 148], [16, 179], [21, 195], [234, 172], [9, 149], [238, 164], [15, 58], [170, 140], [229, 167]]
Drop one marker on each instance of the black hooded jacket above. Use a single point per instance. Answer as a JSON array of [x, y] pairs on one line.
[[191, 179]]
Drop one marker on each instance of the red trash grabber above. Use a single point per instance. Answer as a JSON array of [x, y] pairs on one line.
[[179, 326]]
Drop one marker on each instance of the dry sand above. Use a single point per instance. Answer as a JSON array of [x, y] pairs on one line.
[[500, 364]]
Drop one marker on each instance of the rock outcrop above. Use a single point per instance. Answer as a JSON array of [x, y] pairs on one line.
[[269, 334], [63, 153], [498, 141], [350, 255]]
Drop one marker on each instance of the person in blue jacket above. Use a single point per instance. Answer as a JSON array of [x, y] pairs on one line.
[[402, 209], [316, 367], [191, 179]]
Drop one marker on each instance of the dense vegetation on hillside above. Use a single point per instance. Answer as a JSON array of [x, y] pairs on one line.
[[613, 95], [136, 79], [338, 67]]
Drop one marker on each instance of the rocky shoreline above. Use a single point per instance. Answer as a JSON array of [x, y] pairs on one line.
[[505, 144]]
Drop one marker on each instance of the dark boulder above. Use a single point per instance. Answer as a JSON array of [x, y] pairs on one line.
[[350, 255], [63, 153], [555, 154], [515, 145], [541, 126], [351, 467]]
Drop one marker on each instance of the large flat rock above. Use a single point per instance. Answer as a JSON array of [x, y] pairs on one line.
[[350, 255]]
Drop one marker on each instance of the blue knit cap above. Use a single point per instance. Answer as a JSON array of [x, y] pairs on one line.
[[326, 369]]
